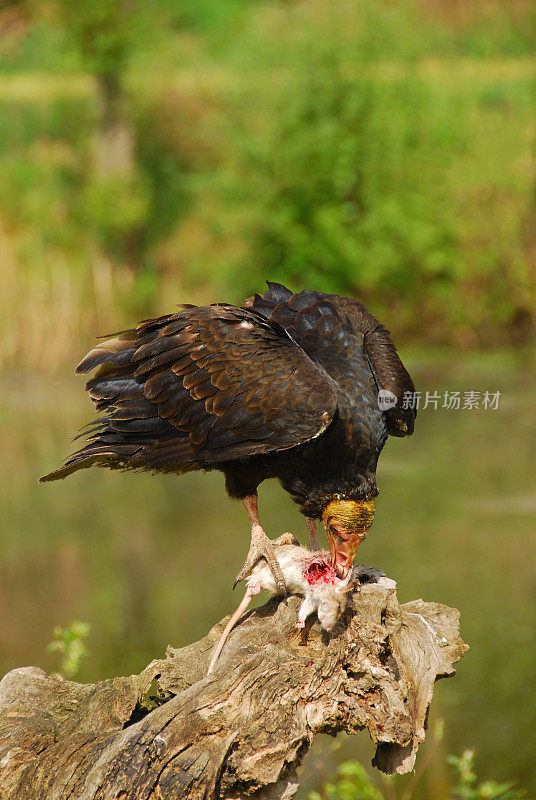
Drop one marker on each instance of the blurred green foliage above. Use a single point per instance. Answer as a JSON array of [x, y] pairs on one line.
[[106, 32], [360, 167], [352, 782], [345, 186], [130, 199], [467, 787], [70, 644], [382, 150]]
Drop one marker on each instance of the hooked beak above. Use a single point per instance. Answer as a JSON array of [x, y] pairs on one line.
[[342, 553], [347, 523]]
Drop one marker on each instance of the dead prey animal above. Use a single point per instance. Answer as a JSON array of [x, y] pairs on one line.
[[305, 573]]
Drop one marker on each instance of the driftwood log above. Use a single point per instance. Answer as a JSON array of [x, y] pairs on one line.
[[172, 732]]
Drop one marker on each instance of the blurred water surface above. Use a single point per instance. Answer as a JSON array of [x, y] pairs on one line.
[[150, 561]]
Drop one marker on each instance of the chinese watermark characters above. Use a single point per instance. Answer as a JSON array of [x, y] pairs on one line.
[[453, 401]]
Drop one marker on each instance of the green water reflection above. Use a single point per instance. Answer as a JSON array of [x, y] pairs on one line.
[[150, 561]]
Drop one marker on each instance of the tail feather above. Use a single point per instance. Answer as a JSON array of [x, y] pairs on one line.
[[131, 434], [117, 351], [97, 454], [129, 444]]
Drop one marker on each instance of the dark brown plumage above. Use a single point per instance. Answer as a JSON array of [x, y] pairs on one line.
[[285, 386]]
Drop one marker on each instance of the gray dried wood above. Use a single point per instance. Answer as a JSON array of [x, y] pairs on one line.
[[172, 732]]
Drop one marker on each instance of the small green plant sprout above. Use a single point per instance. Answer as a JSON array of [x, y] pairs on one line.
[[351, 782], [69, 643], [467, 787]]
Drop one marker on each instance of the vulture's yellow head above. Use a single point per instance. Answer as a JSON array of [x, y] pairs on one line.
[[347, 523]]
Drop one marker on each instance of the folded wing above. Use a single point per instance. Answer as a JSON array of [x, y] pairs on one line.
[[200, 387], [339, 333]]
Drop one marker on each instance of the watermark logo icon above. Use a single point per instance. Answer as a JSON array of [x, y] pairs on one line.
[[386, 399]]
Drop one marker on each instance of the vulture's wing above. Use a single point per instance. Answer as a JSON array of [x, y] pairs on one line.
[[203, 386], [342, 336], [391, 375]]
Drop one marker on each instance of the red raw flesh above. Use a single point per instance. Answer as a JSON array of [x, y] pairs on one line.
[[320, 572]]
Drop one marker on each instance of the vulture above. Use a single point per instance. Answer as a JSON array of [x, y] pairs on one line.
[[287, 386]]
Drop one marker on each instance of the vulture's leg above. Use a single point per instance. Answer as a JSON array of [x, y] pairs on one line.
[[260, 547], [312, 530]]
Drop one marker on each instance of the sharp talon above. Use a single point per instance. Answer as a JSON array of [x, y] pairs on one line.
[[250, 562], [262, 547]]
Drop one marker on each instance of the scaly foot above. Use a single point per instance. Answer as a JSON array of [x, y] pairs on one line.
[[262, 547], [312, 530]]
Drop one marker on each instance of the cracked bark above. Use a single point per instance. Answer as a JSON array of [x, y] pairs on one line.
[[172, 732]]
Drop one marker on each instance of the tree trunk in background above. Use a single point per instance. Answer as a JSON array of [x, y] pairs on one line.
[[172, 732], [113, 157], [114, 140]]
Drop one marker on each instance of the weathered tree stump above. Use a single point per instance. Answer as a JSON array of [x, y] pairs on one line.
[[172, 732]]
